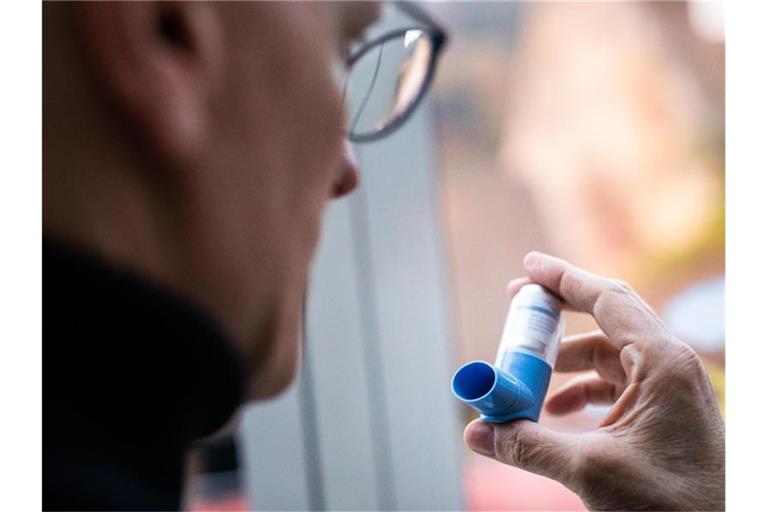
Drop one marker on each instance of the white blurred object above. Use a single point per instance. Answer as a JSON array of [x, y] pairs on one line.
[[696, 315], [707, 20]]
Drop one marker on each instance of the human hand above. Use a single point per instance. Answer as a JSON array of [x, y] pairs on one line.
[[662, 444]]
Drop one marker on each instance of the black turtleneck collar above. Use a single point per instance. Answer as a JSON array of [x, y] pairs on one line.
[[132, 374]]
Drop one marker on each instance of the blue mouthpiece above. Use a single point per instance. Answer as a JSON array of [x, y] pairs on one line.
[[515, 386], [495, 393]]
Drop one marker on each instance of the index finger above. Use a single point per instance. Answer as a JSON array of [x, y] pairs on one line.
[[622, 315], [517, 283]]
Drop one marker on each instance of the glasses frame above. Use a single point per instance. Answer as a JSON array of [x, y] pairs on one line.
[[437, 37]]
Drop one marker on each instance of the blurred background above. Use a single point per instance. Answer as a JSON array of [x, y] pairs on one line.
[[593, 131]]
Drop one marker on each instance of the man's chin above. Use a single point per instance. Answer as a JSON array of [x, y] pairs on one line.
[[263, 389], [275, 370], [277, 375]]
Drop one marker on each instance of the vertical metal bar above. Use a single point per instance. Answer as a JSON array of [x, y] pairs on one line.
[[379, 418], [311, 437]]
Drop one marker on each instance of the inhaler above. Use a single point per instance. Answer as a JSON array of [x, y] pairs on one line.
[[515, 385]]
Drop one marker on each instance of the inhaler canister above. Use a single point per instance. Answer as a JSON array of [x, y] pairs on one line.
[[532, 326], [515, 386]]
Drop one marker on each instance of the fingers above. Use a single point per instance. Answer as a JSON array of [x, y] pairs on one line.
[[591, 351], [525, 445], [619, 311], [580, 391], [515, 284]]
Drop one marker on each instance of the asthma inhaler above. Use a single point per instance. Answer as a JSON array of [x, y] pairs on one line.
[[514, 387]]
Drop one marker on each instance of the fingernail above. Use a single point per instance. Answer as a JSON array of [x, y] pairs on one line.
[[480, 438], [531, 259]]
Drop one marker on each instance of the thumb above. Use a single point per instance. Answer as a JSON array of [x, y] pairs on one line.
[[526, 445]]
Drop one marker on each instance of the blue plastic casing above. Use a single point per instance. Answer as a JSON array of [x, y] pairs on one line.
[[514, 391], [515, 385]]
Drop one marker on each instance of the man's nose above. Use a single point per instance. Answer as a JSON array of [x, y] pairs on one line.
[[349, 175]]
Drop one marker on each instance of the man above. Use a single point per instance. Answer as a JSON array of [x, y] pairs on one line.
[[189, 152]]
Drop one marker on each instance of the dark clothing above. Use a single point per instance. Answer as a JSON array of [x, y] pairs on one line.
[[132, 374]]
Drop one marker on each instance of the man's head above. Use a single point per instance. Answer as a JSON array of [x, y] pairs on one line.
[[198, 143]]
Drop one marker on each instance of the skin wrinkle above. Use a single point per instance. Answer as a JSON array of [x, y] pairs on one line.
[[529, 449], [621, 413]]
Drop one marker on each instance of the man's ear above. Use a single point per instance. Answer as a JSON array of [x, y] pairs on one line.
[[158, 62]]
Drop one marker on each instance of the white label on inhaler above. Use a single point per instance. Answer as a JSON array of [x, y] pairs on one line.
[[533, 322]]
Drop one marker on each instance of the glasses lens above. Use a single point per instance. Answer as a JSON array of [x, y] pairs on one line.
[[384, 84]]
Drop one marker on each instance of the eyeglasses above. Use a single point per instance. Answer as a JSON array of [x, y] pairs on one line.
[[387, 78]]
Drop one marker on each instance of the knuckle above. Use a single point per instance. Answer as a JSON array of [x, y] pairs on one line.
[[686, 361], [685, 352], [613, 290], [619, 286], [605, 301], [570, 285], [683, 368]]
